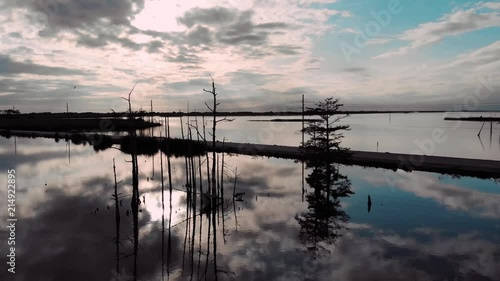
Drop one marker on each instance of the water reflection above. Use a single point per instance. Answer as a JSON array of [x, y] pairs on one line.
[[430, 227], [325, 218]]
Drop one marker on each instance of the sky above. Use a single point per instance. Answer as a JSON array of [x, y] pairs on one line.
[[263, 54]]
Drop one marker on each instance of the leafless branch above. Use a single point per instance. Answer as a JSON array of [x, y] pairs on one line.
[[209, 107], [225, 119]]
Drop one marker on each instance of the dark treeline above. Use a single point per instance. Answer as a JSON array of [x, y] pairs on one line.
[[59, 124], [476, 119], [195, 113], [143, 145], [180, 148]]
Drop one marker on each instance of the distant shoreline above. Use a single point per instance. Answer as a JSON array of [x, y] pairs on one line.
[[474, 119], [42, 123], [182, 114], [284, 120], [437, 164]]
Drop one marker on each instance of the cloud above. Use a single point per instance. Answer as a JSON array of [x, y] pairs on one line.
[[11, 160], [184, 55], [70, 234], [10, 67], [15, 35], [93, 23], [25, 92], [452, 196], [492, 5], [104, 39], [288, 49], [217, 38], [379, 41], [354, 69], [483, 56], [459, 22], [154, 46], [362, 254], [272, 25], [21, 51], [196, 84], [199, 35], [252, 78], [350, 30], [210, 16], [265, 247], [232, 27], [74, 14]]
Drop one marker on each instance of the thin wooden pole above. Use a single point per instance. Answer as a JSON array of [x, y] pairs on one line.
[[481, 129], [302, 119], [117, 220]]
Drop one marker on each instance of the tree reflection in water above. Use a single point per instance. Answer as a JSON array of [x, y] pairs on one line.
[[194, 255], [324, 219]]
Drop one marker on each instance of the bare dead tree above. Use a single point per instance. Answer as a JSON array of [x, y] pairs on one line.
[[213, 201], [213, 109], [129, 99], [214, 125], [135, 183]]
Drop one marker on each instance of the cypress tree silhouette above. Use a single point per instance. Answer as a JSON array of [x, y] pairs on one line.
[[324, 219]]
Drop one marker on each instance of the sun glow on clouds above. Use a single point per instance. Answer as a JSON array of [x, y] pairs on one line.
[[162, 15]]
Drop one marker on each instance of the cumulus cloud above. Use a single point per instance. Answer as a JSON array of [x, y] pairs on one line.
[[228, 26]]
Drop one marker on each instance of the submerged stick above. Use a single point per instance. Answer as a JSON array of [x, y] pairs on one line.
[[234, 200], [117, 220], [162, 216], [481, 129], [169, 248]]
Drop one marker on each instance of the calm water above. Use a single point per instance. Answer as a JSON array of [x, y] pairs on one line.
[[420, 226], [400, 133]]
